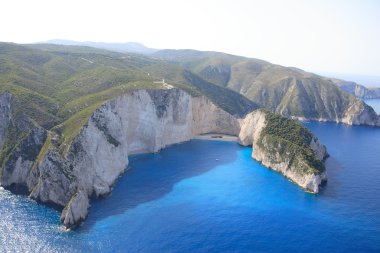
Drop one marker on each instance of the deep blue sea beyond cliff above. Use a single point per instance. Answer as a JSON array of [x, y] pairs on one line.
[[210, 196]]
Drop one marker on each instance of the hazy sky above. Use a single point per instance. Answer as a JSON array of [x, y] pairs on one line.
[[317, 35]]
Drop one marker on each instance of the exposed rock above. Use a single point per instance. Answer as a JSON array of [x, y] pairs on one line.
[[5, 115], [136, 122], [360, 113], [251, 127], [76, 210], [319, 149], [275, 153], [56, 182], [208, 118], [18, 164], [140, 121]]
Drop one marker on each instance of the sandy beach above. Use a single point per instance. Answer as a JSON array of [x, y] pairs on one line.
[[216, 137]]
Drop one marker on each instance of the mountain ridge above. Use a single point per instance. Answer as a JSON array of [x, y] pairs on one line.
[[285, 90], [122, 47]]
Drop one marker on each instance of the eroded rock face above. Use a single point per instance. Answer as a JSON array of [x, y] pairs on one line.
[[5, 115], [76, 210], [270, 153], [360, 113], [56, 182], [17, 166], [136, 122]]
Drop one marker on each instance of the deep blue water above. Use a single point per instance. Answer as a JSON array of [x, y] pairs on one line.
[[205, 196]]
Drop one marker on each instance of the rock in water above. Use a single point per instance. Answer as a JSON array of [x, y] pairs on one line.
[[141, 121], [284, 145]]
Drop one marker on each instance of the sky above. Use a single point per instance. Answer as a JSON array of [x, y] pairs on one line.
[[325, 36]]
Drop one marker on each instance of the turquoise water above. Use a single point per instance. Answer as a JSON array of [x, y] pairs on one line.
[[205, 196], [375, 103]]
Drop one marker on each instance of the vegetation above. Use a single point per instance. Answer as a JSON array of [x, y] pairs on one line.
[[292, 140], [287, 91], [59, 87]]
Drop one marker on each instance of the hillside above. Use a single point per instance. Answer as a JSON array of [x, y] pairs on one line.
[[127, 47], [358, 90], [59, 87], [71, 115], [287, 91]]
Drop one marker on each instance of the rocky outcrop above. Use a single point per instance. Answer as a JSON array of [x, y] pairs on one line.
[[139, 121], [360, 113], [300, 163], [17, 165], [5, 115], [76, 210], [55, 181]]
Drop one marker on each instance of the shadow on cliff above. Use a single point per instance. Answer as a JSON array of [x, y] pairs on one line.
[[152, 176]]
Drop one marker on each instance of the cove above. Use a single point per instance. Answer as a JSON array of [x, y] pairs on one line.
[[210, 196]]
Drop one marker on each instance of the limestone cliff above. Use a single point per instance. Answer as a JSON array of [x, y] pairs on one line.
[[18, 154], [137, 121], [360, 113], [285, 146]]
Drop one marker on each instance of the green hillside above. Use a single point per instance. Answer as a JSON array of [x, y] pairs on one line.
[[59, 87], [288, 91]]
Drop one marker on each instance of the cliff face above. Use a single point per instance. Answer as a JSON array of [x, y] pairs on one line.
[[136, 122], [5, 115], [17, 157], [360, 113], [302, 162]]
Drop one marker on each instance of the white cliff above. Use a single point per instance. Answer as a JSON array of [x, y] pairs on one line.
[[270, 153], [139, 121], [360, 113]]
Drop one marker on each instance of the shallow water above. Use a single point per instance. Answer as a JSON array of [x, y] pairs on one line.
[[210, 196]]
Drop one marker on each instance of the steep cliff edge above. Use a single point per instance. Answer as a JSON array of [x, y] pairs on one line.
[[5, 115], [284, 145], [136, 122], [68, 174], [288, 91]]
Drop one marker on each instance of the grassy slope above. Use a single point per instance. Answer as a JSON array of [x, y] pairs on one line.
[[292, 141], [59, 87], [288, 91]]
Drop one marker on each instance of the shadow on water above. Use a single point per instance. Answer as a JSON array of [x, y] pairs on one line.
[[152, 176]]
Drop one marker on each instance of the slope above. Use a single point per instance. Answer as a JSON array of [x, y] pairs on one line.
[[287, 91]]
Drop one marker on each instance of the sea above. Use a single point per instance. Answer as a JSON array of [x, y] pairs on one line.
[[211, 196]]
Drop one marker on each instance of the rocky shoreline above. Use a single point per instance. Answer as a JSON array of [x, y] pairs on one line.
[[139, 121]]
